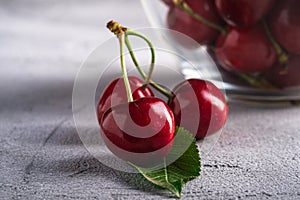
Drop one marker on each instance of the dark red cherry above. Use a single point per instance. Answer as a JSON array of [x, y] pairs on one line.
[[285, 76], [199, 106], [115, 93], [141, 131], [284, 22], [243, 13], [246, 50], [181, 21]]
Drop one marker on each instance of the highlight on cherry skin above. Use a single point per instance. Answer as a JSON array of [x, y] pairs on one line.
[[115, 93], [147, 145], [198, 98]]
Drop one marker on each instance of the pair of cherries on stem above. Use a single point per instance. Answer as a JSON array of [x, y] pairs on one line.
[[140, 128]]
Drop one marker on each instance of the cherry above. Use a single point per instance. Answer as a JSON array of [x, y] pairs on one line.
[[181, 21], [115, 93], [285, 76], [243, 13], [284, 22], [199, 106], [145, 125], [245, 50]]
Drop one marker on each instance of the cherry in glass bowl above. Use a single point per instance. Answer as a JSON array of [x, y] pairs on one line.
[[258, 60]]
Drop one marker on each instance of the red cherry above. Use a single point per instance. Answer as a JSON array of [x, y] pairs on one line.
[[115, 93], [181, 21], [245, 50], [243, 12], [285, 76], [199, 106], [284, 22], [145, 125]]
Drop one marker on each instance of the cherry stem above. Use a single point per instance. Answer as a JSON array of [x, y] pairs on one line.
[[282, 56], [141, 71], [184, 6], [123, 67], [131, 32], [119, 31], [256, 81]]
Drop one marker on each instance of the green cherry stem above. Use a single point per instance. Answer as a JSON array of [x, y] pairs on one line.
[[184, 6], [123, 67], [256, 81], [136, 64], [141, 71], [131, 32], [119, 31], [282, 56]]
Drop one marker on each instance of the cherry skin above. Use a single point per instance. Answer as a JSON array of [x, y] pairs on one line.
[[115, 93], [243, 13], [181, 21], [284, 22], [285, 76], [245, 50], [199, 106], [145, 125]]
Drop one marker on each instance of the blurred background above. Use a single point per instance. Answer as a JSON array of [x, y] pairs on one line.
[[43, 44]]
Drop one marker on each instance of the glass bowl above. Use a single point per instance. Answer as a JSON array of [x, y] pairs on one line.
[[238, 86]]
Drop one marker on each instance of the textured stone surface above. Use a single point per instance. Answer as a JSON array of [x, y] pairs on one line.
[[41, 155]]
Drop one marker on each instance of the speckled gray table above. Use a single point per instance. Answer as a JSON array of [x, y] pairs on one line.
[[42, 44]]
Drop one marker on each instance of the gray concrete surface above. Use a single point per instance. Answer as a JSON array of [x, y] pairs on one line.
[[42, 44]]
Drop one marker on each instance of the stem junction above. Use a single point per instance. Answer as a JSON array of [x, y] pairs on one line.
[[122, 34]]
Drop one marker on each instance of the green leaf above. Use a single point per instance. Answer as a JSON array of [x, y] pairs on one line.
[[184, 164]]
